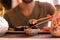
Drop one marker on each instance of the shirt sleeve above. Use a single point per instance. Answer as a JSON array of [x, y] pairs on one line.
[[46, 8], [50, 9]]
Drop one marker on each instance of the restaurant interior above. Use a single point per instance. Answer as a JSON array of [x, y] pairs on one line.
[[44, 33]]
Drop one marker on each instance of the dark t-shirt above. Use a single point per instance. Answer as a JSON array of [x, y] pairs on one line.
[[15, 17]]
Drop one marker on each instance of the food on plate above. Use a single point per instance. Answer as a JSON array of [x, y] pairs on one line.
[[46, 28]]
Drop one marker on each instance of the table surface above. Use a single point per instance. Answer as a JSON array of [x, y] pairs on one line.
[[26, 36], [23, 36]]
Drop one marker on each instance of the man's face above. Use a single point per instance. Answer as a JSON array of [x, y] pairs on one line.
[[27, 1]]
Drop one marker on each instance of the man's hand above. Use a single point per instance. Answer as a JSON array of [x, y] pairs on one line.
[[32, 21], [49, 17]]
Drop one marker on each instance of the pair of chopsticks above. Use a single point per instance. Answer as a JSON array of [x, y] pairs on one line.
[[42, 21]]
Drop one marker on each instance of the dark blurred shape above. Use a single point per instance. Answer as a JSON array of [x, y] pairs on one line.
[[6, 3]]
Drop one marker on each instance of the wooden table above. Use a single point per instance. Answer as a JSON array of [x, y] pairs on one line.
[[22, 34], [26, 36]]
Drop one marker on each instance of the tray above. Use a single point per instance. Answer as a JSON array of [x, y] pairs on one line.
[[41, 31]]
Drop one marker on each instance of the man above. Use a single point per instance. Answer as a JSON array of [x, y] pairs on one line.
[[27, 12]]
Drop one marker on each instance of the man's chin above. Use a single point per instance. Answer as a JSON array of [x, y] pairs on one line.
[[27, 2]]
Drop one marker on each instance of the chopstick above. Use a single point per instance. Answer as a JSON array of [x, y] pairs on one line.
[[40, 23], [43, 18]]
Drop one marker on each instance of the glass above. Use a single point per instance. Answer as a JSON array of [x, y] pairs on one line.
[[55, 26]]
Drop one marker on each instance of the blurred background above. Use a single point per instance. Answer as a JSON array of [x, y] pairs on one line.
[[8, 4]]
